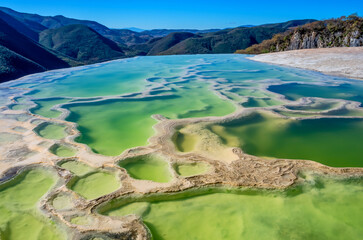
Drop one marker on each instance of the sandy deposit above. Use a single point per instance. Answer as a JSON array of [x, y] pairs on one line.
[[345, 61]]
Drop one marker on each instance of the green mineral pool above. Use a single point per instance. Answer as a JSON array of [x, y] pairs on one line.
[[95, 184], [88, 182], [147, 167], [112, 78], [122, 124], [18, 106], [185, 142], [261, 102], [334, 142], [191, 169], [246, 92], [62, 150], [20, 99], [77, 168], [180, 87], [51, 131], [20, 218], [43, 107], [346, 91], [318, 209]]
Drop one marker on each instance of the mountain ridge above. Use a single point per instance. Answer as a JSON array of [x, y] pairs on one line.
[[17, 49], [77, 42], [229, 40], [81, 43]]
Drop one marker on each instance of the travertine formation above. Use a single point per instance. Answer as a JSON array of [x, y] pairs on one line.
[[21, 148], [343, 61]]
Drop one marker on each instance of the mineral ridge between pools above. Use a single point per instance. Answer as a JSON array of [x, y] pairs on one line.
[[145, 143]]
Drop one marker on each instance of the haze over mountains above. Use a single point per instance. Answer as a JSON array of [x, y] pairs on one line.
[[32, 43]]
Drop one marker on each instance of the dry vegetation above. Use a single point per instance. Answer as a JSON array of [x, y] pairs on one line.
[[328, 33]]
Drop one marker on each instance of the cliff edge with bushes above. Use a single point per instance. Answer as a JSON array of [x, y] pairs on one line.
[[340, 32]]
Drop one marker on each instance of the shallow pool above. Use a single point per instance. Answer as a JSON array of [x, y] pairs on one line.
[[319, 209]]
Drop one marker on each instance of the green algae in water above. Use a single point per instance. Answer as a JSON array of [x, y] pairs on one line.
[[20, 219], [62, 150], [346, 112], [95, 184], [113, 78], [51, 131], [76, 168], [185, 142], [20, 99], [335, 142], [110, 127], [191, 169], [137, 208], [261, 102], [151, 168], [18, 107], [330, 211], [233, 97], [89, 182], [246, 92], [44, 107], [294, 91], [238, 69], [122, 124]]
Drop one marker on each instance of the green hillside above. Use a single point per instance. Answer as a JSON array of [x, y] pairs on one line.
[[81, 43]]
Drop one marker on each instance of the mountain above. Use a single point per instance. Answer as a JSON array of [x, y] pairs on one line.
[[165, 32], [38, 23], [34, 21], [341, 32], [81, 43], [127, 37], [20, 55], [20, 27], [141, 43], [26, 19], [288, 24], [142, 49], [247, 25], [229, 40], [134, 29], [13, 65], [169, 41]]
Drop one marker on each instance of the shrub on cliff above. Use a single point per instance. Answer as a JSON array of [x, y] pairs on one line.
[[340, 32]]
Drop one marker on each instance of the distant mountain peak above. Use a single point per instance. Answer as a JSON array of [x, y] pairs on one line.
[[135, 29]]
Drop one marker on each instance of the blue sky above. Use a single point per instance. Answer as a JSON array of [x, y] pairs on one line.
[[199, 14]]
